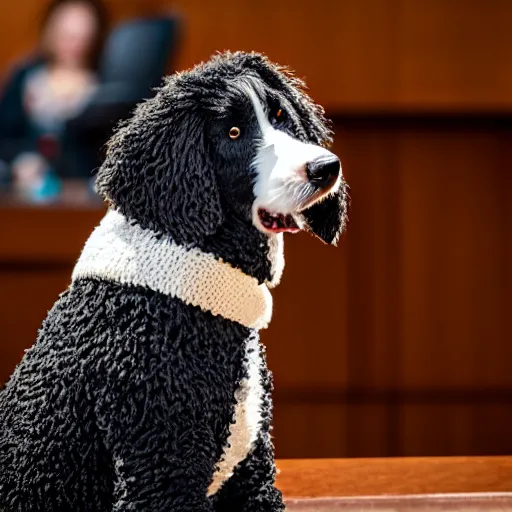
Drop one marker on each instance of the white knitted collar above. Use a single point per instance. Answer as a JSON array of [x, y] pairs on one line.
[[126, 253]]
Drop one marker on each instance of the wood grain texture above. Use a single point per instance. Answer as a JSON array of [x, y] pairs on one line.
[[488, 502], [48, 235], [448, 55], [373, 477], [423, 327]]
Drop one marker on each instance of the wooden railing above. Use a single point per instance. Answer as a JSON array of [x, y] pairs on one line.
[[397, 485], [317, 478]]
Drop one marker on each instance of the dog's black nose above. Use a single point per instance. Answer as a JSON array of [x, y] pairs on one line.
[[324, 171]]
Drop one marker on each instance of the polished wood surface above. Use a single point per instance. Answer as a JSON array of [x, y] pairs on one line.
[[316, 478], [442, 503]]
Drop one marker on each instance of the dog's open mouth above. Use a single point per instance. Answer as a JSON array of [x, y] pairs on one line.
[[277, 222]]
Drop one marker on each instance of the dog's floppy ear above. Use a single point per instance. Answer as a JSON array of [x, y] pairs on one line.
[[327, 219], [158, 173]]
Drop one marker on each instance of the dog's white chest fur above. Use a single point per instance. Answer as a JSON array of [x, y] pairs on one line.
[[243, 433]]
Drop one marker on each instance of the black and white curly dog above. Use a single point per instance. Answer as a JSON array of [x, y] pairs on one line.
[[147, 389]]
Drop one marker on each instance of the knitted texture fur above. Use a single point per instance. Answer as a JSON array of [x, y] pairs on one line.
[[126, 253]]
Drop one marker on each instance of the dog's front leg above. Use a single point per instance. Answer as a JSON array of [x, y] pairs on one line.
[[151, 480], [161, 444], [251, 488]]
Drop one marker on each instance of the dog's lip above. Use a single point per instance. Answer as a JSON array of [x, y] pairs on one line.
[[274, 222], [320, 195], [264, 217]]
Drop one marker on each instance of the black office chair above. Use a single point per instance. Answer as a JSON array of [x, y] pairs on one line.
[[136, 56]]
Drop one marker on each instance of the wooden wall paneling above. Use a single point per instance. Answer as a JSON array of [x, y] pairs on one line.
[[342, 48], [122, 10], [379, 54], [473, 427], [18, 31], [309, 429], [455, 54], [436, 428], [326, 424], [370, 428], [48, 235], [307, 349], [505, 152], [428, 273], [20, 22], [373, 270], [307, 340], [369, 156], [456, 301], [26, 295]]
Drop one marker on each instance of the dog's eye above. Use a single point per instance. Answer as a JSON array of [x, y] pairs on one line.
[[278, 116], [234, 132]]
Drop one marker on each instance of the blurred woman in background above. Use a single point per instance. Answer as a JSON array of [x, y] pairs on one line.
[[41, 97]]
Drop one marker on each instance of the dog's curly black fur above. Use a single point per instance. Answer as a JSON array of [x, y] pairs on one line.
[[126, 400]]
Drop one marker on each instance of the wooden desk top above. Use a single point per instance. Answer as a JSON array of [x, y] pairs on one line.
[[320, 478], [45, 235], [421, 503]]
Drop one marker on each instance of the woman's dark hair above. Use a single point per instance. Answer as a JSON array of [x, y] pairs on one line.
[[102, 21]]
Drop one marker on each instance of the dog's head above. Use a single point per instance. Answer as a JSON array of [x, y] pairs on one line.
[[235, 137]]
